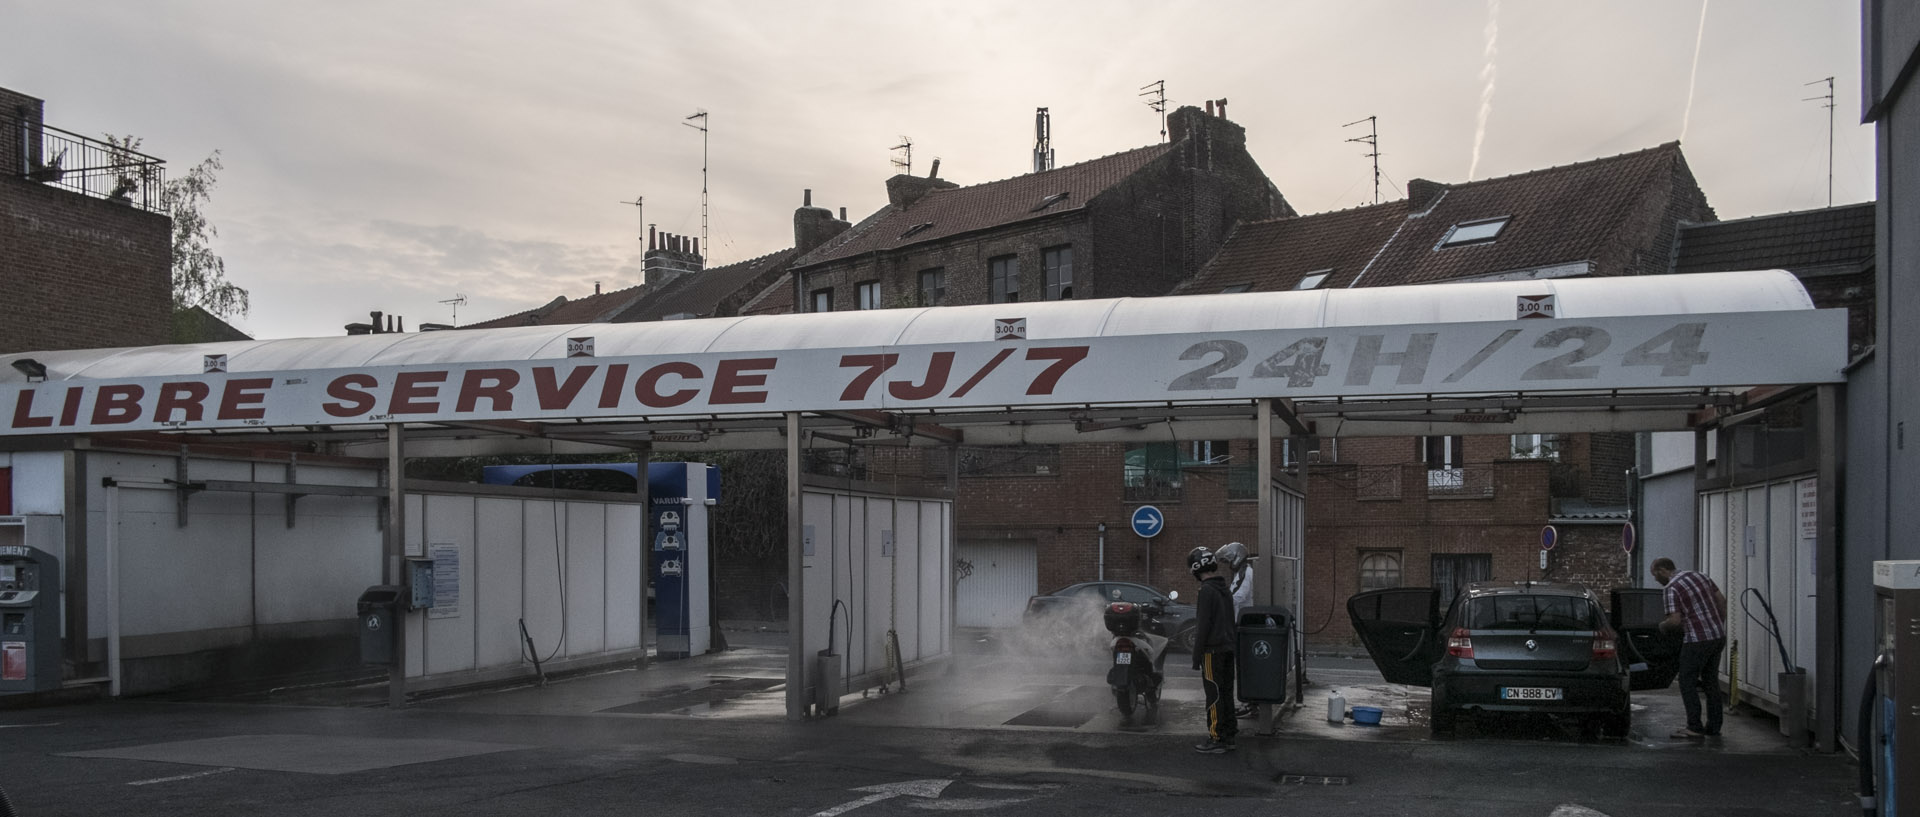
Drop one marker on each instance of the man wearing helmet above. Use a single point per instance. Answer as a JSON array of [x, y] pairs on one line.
[[1213, 643], [1233, 557]]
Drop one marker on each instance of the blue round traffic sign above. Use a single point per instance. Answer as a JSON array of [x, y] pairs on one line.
[[1549, 537], [1148, 521]]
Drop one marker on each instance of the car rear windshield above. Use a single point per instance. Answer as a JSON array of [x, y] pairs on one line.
[[1532, 613]]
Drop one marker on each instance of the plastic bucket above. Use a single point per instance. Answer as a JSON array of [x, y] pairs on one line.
[[1366, 715]]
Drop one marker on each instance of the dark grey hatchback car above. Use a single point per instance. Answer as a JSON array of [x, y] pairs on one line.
[[1519, 647]]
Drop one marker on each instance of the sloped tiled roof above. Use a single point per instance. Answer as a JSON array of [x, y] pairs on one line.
[[773, 299], [1830, 237], [1558, 215], [953, 211], [564, 310], [710, 292]]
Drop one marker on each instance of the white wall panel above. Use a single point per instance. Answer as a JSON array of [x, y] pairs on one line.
[[586, 578], [542, 526], [498, 587], [39, 482], [449, 642], [624, 587]]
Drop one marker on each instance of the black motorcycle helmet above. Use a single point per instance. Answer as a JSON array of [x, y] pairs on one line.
[[1200, 562]]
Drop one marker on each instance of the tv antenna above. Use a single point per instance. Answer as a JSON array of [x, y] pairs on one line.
[[1828, 99], [639, 218], [1156, 91], [906, 164], [456, 302], [1372, 141], [701, 115]]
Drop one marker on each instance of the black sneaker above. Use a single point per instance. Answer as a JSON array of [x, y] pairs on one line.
[[1214, 747]]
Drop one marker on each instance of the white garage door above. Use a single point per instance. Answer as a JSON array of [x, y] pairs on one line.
[[994, 592]]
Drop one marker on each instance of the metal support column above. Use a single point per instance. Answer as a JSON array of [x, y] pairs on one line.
[[396, 551], [796, 568], [1269, 541], [1827, 696], [642, 456]]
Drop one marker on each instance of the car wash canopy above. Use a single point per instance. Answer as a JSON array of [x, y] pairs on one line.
[[1599, 336]]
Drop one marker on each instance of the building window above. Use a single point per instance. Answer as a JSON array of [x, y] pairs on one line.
[[1208, 452], [1483, 231], [933, 286], [1229, 290], [1379, 569], [1152, 472], [869, 293], [1058, 263], [1313, 279], [1452, 571], [1003, 280], [823, 300], [1536, 447], [1444, 457]]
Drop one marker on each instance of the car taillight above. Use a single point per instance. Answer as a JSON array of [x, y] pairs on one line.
[[1123, 645], [1459, 645], [1605, 646]]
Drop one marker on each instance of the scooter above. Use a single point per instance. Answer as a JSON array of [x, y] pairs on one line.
[[1139, 651]]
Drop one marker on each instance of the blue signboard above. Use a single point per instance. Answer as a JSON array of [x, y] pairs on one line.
[[1148, 521]]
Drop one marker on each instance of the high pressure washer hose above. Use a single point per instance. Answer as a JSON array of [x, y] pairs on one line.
[[1869, 755]]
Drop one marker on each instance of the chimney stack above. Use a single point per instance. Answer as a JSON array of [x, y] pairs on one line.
[[596, 287], [1209, 107], [1421, 194], [931, 174], [1223, 107], [814, 226], [696, 245], [806, 197], [843, 214], [375, 314]]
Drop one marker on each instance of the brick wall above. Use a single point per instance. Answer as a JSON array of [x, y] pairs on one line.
[[80, 272]]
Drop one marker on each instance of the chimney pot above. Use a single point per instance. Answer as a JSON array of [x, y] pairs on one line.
[[596, 287], [376, 320], [806, 197], [696, 245], [401, 323], [935, 172], [843, 214], [653, 239], [1209, 107], [1223, 107]]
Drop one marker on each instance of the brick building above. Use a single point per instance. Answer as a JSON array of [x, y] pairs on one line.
[[1441, 511], [84, 247]]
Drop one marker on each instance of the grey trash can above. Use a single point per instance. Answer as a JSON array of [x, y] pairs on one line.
[[378, 616], [1264, 654]]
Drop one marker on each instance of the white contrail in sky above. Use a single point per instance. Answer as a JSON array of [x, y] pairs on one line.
[[1687, 116], [1486, 88]]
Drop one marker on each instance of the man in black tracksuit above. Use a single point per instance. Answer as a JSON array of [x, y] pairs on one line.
[[1213, 645]]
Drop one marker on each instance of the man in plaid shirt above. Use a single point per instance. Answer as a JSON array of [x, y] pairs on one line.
[[1696, 608]]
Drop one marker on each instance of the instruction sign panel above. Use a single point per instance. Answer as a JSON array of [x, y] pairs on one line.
[[446, 580]]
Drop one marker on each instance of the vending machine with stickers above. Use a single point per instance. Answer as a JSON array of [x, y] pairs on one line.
[[680, 496], [29, 620]]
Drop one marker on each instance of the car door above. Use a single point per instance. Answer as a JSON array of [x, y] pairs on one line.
[[1398, 627], [1652, 655]]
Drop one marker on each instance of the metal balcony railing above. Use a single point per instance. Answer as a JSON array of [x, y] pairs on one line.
[[42, 153]]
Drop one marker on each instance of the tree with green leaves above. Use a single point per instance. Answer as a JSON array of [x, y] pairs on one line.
[[200, 282]]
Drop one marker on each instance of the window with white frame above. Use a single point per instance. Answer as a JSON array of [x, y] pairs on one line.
[[1536, 447], [1480, 231], [1444, 457], [933, 286], [823, 300], [1379, 569], [1313, 279], [1057, 262], [869, 294]]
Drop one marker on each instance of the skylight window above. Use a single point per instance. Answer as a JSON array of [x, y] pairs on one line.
[[1236, 288], [1049, 202], [1483, 231], [1313, 279], [917, 229]]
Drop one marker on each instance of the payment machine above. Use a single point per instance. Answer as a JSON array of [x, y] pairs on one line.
[[29, 620], [1894, 749], [680, 494]]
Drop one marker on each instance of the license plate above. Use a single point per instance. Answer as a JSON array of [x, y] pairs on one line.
[[1530, 693], [1123, 658]]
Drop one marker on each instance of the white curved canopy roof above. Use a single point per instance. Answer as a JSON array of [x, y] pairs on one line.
[[988, 365]]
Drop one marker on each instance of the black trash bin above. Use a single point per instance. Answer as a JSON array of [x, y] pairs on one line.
[[379, 608], [1263, 655]]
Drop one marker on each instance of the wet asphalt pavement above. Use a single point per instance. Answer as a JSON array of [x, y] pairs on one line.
[[997, 730]]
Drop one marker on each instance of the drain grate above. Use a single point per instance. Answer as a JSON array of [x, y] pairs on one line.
[[1311, 780]]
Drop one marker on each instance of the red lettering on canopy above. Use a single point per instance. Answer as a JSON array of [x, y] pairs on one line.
[[647, 388], [554, 396], [610, 388], [415, 393], [494, 384], [117, 405], [70, 411], [186, 397], [242, 399], [23, 412], [349, 389], [732, 376], [1063, 358]]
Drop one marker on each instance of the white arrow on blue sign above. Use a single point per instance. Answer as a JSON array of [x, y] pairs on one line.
[[1147, 521]]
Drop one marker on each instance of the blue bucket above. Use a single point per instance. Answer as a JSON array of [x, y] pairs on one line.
[[1366, 715]]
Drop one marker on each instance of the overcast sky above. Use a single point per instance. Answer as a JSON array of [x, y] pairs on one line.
[[391, 155]]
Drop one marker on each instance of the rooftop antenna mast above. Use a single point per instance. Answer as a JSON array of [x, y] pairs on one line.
[[905, 164], [1828, 99], [1042, 141], [639, 216], [456, 302], [701, 115], [1156, 92], [1372, 141]]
